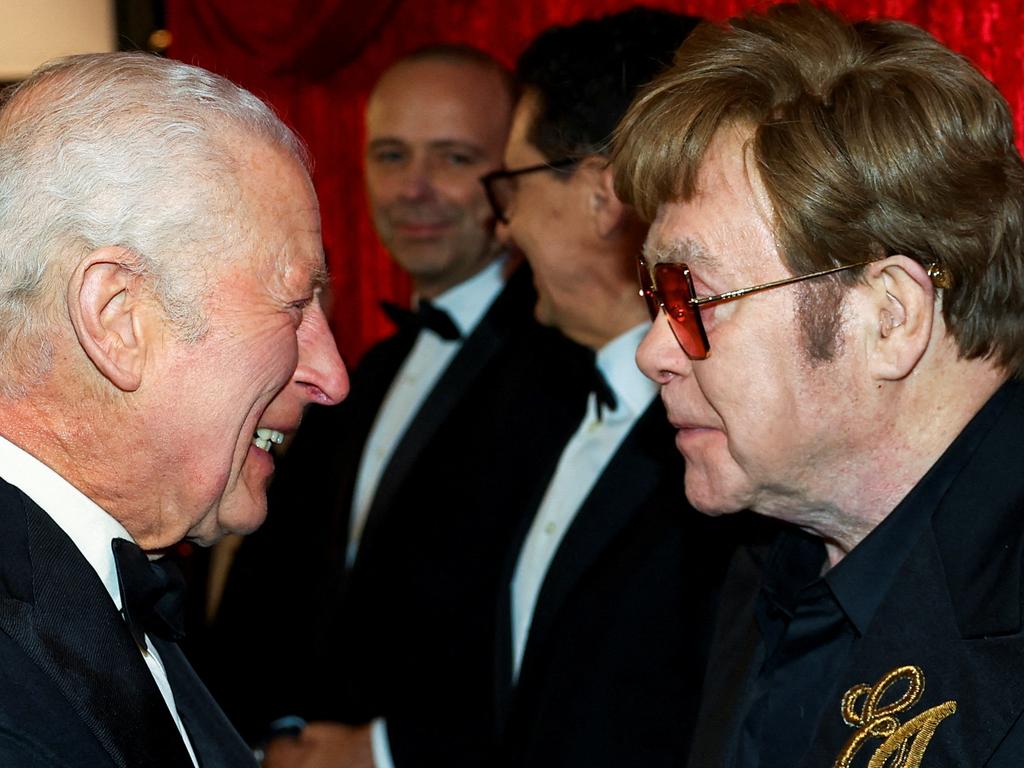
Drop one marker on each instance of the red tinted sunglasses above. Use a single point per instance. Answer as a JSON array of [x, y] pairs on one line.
[[671, 288]]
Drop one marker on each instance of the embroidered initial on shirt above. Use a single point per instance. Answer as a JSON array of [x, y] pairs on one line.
[[872, 710]]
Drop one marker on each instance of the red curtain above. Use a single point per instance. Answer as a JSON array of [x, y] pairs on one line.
[[315, 61]]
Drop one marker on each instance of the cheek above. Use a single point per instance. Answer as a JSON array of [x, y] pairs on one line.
[[269, 355], [381, 186], [539, 232], [752, 411], [477, 209]]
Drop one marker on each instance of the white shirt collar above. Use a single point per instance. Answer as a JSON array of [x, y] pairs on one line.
[[468, 301], [617, 362], [87, 525]]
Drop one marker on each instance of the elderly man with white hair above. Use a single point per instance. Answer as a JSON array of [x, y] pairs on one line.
[[160, 327]]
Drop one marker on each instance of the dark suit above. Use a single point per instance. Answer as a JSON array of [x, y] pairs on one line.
[[614, 658], [953, 612], [448, 503], [74, 689]]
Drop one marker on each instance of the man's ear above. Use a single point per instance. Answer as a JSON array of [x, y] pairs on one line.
[[607, 210], [902, 306], [109, 314]]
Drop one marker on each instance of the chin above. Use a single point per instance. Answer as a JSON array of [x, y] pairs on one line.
[[705, 501], [544, 314], [244, 523], [228, 519]]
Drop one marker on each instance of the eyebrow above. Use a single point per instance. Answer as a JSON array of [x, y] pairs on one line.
[[685, 250], [436, 144]]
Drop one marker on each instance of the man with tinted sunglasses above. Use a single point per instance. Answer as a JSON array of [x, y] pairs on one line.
[[836, 276], [605, 597]]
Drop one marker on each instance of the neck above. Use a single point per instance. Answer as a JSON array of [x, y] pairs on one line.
[[598, 322], [430, 286], [921, 417], [604, 303], [60, 432]]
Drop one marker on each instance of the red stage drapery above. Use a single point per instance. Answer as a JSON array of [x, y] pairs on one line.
[[315, 61]]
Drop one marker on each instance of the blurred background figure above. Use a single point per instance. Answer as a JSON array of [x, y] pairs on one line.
[[583, 642], [607, 594], [396, 510]]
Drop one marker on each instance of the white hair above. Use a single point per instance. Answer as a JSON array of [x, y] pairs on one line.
[[121, 149]]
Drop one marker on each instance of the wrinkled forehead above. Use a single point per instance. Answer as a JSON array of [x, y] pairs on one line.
[[727, 222], [275, 216]]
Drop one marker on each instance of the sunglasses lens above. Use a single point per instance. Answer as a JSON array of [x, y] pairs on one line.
[[647, 289], [684, 319]]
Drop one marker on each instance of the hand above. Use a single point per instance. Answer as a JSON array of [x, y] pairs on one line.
[[322, 745]]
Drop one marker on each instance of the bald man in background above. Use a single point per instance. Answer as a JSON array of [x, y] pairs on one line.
[[395, 511]]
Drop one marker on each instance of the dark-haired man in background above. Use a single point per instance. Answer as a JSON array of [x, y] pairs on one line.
[[606, 594], [838, 248]]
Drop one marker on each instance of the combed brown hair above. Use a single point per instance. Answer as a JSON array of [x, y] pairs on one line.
[[870, 139]]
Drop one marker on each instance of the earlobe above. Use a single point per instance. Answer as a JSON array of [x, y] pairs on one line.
[[107, 316], [902, 301]]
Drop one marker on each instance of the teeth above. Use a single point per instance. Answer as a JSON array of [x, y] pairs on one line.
[[265, 437]]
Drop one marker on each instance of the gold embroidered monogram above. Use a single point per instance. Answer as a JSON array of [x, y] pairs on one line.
[[868, 708]]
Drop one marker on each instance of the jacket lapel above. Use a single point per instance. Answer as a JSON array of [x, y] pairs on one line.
[[337, 435], [214, 739], [627, 482], [66, 623], [735, 654], [477, 351]]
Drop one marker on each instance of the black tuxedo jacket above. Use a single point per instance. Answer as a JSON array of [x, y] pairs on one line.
[[445, 510], [74, 689], [953, 614], [615, 654], [412, 638]]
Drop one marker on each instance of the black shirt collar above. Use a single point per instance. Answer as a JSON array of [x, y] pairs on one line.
[[861, 580]]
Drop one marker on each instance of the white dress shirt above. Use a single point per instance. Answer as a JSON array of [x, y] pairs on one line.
[[582, 462], [466, 304], [91, 531]]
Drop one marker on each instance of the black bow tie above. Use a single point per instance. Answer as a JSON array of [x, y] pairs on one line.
[[603, 392], [152, 594], [426, 315]]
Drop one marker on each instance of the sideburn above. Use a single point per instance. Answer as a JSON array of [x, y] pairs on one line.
[[819, 307]]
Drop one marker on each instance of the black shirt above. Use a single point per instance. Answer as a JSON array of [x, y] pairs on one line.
[[810, 623]]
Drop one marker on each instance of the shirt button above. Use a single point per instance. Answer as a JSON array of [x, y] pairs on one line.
[[550, 528]]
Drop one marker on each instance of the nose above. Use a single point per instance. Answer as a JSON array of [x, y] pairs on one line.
[[417, 179], [659, 355], [320, 371]]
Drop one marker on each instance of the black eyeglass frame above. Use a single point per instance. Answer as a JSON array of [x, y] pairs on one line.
[[489, 180]]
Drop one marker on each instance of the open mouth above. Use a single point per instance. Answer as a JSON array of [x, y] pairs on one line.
[[264, 438]]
